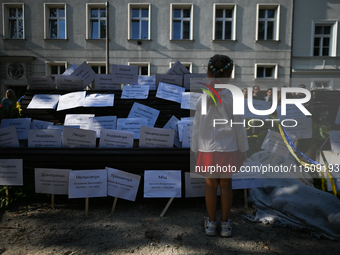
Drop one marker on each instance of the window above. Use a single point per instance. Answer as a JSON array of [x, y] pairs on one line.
[[95, 21], [139, 21], [181, 26], [97, 67], [143, 67], [55, 68], [187, 65], [13, 21], [324, 40], [55, 21], [322, 84], [266, 71], [224, 26], [267, 25]]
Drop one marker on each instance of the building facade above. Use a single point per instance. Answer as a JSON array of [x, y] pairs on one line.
[[42, 37]]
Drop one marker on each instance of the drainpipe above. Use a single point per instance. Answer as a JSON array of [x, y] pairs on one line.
[[107, 38]]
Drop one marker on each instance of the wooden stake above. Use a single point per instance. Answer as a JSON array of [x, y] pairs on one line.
[[86, 206], [52, 201], [167, 206], [114, 205], [271, 158], [7, 195]]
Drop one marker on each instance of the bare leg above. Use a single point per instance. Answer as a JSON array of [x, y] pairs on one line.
[[211, 197], [226, 198]]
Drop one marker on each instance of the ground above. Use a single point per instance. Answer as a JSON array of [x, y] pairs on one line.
[[137, 228]]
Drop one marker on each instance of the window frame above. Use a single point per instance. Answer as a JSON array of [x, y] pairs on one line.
[[185, 64], [96, 63], [139, 6], [140, 64], [5, 19], [89, 7], [333, 40], [232, 7], [329, 81], [266, 65], [49, 64], [47, 7], [276, 22], [174, 6]]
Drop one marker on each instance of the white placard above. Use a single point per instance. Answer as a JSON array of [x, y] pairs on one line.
[[181, 124], [162, 183], [51, 181], [258, 105], [44, 138], [104, 82], [43, 101], [142, 111], [22, 126], [131, 125], [87, 183], [83, 121], [156, 138], [99, 100], [11, 172], [64, 82], [40, 124], [186, 135], [334, 137], [247, 180], [78, 138], [172, 124], [169, 79], [9, 137], [85, 72], [189, 100], [135, 92], [303, 129], [194, 185], [103, 122], [170, 92], [273, 143], [40, 82], [116, 139], [292, 112], [122, 184], [337, 119], [125, 74], [147, 80], [71, 100], [178, 69], [70, 69], [191, 78]]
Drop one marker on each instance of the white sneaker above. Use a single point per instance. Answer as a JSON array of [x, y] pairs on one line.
[[210, 227], [226, 229]]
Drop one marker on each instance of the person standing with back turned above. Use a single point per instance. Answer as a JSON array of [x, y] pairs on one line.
[[221, 145]]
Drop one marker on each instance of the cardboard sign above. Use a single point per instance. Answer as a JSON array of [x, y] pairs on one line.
[[71, 100], [85, 72], [189, 79], [292, 112], [104, 82], [64, 82], [122, 184], [40, 124], [156, 138], [99, 100], [147, 80], [169, 79], [142, 111], [247, 179], [83, 121], [125, 74], [334, 137], [258, 105], [70, 70], [87, 183], [178, 69], [273, 143], [189, 100], [43, 101], [115, 139], [103, 122], [11, 172], [40, 83], [131, 125], [135, 92], [22, 126], [195, 185], [44, 138], [181, 124], [186, 137], [51, 181], [162, 183], [79, 138], [9, 137], [303, 129], [172, 124], [170, 92]]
